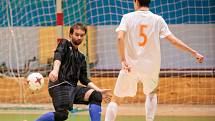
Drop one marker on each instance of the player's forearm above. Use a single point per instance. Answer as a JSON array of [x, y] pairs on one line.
[[121, 50], [179, 44], [56, 66], [93, 86], [121, 47]]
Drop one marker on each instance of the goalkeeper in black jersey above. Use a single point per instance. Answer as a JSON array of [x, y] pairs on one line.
[[69, 68]]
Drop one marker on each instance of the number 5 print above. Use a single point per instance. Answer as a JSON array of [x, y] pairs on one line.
[[143, 35]]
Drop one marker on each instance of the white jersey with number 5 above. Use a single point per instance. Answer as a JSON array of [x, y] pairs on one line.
[[142, 46]]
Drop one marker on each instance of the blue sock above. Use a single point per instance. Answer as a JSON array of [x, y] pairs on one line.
[[95, 112], [46, 117]]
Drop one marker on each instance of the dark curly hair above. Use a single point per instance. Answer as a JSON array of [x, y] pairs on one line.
[[143, 3], [78, 26]]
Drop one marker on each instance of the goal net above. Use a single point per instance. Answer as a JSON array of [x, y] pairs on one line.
[[28, 39]]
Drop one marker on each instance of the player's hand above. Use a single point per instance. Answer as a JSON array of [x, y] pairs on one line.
[[53, 76], [106, 95], [199, 57], [125, 66]]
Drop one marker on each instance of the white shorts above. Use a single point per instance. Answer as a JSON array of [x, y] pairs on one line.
[[126, 84]]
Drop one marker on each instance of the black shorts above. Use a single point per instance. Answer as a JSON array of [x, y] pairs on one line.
[[64, 96]]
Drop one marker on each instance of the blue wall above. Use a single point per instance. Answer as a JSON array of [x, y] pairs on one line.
[[27, 13], [101, 12]]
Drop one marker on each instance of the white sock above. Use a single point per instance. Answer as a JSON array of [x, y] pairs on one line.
[[151, 106], [111, 111]]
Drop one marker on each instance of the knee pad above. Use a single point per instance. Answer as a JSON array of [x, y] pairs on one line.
[[95, 98], [61, 116]]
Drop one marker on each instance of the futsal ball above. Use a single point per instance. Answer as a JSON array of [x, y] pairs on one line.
[[35, 81]]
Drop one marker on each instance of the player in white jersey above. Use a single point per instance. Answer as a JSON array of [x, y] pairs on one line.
[[139, 36]]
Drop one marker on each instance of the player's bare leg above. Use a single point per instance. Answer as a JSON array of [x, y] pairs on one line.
[[95, 99], [151, 106]]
